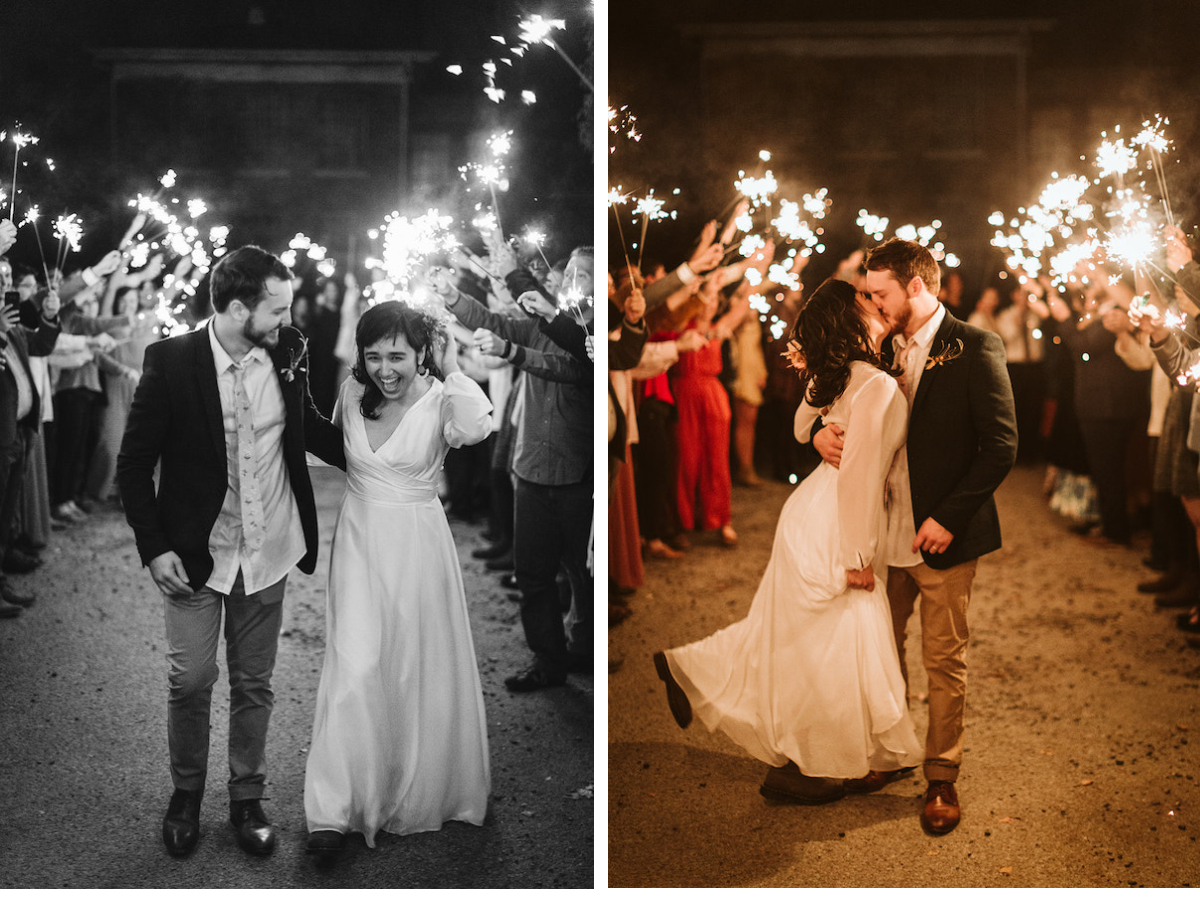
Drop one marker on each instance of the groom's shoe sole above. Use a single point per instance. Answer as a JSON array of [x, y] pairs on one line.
[[677, 699]]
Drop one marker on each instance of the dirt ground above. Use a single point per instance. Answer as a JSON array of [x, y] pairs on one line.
[[1081, 766], [84, 779]]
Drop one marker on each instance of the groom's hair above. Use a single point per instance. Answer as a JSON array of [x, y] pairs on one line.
[[905, 260], [243, 275]]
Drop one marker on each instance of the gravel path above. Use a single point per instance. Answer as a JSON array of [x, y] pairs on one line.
[[84, 779], [1082, 733]]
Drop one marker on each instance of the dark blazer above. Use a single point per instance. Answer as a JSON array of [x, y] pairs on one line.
[[962, 441], [176, 420]]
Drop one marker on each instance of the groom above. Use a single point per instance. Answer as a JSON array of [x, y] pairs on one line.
[[962, 441], [225, 411]]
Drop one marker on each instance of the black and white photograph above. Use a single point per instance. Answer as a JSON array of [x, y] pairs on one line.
[[296, 444]]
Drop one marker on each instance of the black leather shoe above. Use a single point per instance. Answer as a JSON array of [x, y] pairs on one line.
[[677, 699], [326, 842], [12, 597], [492, 551], [181, 825], [534, 678], [255, 834], [17, 561], [501, 561]]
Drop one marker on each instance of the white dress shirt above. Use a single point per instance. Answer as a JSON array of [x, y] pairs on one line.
[[902, 531], [284, 544]]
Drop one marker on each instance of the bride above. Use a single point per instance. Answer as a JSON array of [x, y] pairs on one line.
[[399, 739], [809, 682]]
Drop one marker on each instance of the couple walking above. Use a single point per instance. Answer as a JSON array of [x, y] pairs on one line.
[[399, 740], [914, 442]]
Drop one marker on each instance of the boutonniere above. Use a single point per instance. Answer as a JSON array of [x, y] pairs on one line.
[[944, 355], [295, 361]]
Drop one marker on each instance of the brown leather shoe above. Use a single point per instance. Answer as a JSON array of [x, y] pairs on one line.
[[876, 779], [940, 813], [789, 784], [677, 699]]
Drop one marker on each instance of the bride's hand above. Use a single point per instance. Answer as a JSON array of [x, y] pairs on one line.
[[861, 579]]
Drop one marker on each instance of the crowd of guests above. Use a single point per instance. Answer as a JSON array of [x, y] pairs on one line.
[[702, 399], [73, 345]]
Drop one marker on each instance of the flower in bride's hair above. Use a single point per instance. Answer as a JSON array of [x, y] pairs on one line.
[[794, 356]]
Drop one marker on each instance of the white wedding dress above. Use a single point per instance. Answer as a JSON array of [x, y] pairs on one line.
[[399, 739], [812, 674]]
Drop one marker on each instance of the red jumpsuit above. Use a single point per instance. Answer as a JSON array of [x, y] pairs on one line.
[[703, 486]]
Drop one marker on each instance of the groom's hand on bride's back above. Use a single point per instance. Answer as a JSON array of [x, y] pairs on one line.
[[829, 441], [168, 574]]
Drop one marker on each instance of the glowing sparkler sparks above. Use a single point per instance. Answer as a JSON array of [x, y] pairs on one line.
[[616, 197], [20, 141], [409, 244], [757, 190], [1115, 158], [1152, 137], [454, 69], [70, 229], [816, 203], [536, 30], [650, 207], [500, 143], [622, 121], [196, 207], [168, 179], [764, 155], [1134, 244], [31, 217], [528, 97], [873, 225]]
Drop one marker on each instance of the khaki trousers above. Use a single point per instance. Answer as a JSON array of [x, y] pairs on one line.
[[945, 595]]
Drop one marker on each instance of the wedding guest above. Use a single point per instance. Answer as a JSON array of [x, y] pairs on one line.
[[553, 466]]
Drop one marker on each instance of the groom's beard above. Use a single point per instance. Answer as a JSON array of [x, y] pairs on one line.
[[901, 323], [266, 339]]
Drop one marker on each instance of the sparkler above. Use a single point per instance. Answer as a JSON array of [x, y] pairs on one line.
[[1152, 138], [536, 30], [536, 239], [622, 121], [20, 141], [650, 208], [616, 198], [69, 231]]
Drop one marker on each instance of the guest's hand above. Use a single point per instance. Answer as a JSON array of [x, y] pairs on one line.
[[51, 305], [707, 254], [1178, 252], [861, 579], [109, 264], [1115, 320], [1148, 320], [589, 343], [829, 442], [101, 342], [690, 341], [8, 235], [168, 574], [731, 225], [488, 343], [635, 307], [932, 537], [139, 221], [537, 305], [439, 281], [9, 318]]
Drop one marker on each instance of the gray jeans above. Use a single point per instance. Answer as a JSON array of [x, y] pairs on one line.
[[252, 625]]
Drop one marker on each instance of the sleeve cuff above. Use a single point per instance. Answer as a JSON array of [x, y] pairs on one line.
[[89, 277], [686, 274]]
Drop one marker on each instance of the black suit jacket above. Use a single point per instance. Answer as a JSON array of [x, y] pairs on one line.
[[176, 420], [962, 441]]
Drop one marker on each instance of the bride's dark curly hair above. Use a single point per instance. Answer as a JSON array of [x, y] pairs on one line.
[[388, 320], [830, 334]]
